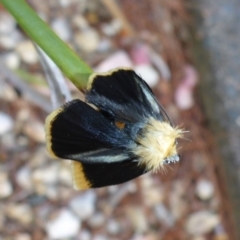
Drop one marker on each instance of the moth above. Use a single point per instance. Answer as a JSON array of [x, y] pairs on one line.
[[119, 133]]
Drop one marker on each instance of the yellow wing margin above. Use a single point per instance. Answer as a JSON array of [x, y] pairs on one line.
[[80, 182]]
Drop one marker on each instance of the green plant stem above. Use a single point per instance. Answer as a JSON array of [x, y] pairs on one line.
[[69, 63]]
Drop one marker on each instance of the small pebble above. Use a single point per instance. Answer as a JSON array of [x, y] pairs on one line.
[[184, 97], [112, 28], [146, 181], [51, 192], [66, 193], [35, 130], [140, 54], [65, 3], [39, 157], [22, 236], [80, 22], [27, 52], [97, 220], [9, 140], [64, 173], [113, 227], [7, 93], [24, 178], [84, 235], [20, 212], [202, 222], [64, 225], [43, 211], [104, 46], [11, 40], [46, 175], [62, 28], [7, 123], [7, 42], [7, 23], [84, 204], [124, 190], [23, 114], [191, 76], [11, 60], [22, 141], [88, 40], [178, 205], [113, 189], [36, 200], [132, 187], [148, 73], [138, 219], [184, 92], [117, 59], [160, 64], [164, 215], [100, 237], [152, 194], [5, 185], [204, 189]]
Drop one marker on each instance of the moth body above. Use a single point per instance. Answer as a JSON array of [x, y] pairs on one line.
[[156, 144]]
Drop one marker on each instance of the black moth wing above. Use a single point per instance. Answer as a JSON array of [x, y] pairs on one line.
[[77, 131], [100, 174], [123, 96]]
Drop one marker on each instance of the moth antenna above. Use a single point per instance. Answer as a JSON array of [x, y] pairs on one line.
[[164, 111], [187, 139]]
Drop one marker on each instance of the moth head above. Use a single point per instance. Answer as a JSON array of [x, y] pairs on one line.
[[157, 144]]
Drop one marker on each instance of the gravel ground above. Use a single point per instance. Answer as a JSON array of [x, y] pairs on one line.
[[36, 198]]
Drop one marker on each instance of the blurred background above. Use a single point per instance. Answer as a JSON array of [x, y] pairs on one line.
[[188, 52]]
